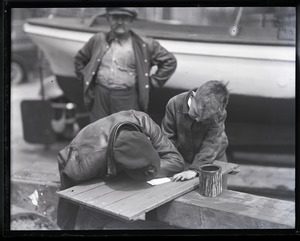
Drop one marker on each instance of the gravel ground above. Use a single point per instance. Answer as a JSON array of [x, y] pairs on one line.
[[24, 219], [31, 222]]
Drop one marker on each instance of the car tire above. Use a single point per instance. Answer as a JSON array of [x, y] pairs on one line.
[[17, 73]]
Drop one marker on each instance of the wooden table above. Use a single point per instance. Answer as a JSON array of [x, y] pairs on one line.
[[127, 199]]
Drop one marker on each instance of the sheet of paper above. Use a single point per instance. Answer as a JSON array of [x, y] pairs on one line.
[[158, 181]]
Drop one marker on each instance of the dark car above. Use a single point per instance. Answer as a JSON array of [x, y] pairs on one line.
[[24, 53]]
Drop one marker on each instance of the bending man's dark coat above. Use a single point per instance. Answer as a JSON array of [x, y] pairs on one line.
[[86, 156]]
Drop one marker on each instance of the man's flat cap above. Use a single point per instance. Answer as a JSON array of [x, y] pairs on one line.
[[134, 153], [123, 11]]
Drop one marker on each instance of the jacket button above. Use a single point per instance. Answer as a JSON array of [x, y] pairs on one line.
[[87, 83], [144, 45], [146, 60], [98, 60], [146, 86], [146, 74], [93, 73]]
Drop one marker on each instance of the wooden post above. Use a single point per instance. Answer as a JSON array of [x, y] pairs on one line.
[[210, 180]]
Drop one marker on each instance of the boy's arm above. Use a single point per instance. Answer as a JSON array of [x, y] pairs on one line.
[[215, 142], [168, 125]]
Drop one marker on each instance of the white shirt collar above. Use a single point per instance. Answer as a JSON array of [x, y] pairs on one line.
[[190, 100]]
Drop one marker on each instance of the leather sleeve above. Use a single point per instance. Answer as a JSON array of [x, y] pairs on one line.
[[168, 126], [166, 64], [171, 160], [83, 56], [79, 167]]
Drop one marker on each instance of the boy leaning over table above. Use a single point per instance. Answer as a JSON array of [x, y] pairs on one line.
[[127, 141], [195, 123]]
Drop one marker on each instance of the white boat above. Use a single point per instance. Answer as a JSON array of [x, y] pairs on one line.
[[255, 51]]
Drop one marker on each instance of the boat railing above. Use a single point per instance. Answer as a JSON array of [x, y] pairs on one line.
[[234, 21]]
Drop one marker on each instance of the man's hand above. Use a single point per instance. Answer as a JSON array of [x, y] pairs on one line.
[[185, 175]]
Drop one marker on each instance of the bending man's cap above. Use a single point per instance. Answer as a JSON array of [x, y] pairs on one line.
[[123, 11], [134, 153]]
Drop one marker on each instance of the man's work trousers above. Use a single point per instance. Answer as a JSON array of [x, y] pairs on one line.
[[109, 101]]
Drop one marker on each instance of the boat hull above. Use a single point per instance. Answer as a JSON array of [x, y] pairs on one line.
[[261, 109], [253, 70]]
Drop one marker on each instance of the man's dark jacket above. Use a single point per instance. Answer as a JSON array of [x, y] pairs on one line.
[[86, 156], [148, 52], [199, 143]]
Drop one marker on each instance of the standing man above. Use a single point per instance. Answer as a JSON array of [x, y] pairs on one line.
[[195, 123], [115, 67]]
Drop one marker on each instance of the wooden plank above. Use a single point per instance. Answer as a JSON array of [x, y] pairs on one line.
[[138, 197], [264, 159], [80, 188], [120, 194], [227, 167], [131, 202], [44, 177], [97, 195], [276, 178], [101, 190], [141, 202], [157, 198], [43, 167], [111, 192], [128, 199], [39, 171], [231, 210], [86, 187]]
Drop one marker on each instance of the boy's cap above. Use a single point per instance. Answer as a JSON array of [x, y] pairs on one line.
[[135, 154], [123, 11]]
